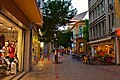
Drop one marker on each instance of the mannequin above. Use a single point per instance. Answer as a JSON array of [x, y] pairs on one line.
[[11, 51]]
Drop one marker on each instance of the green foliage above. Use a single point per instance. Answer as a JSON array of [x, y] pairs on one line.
[[56, 13], [64, 39], [106, 55], [85, 31]]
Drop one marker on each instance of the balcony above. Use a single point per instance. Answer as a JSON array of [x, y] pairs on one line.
[[76, 36]]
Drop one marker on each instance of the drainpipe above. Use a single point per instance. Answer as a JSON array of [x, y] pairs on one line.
[[116, 46], [116, 51]]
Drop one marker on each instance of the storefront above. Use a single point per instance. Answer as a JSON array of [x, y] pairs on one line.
[[16, 23], [106, 46], [35, 48], [11, 44], [79, 45], [117, 45]]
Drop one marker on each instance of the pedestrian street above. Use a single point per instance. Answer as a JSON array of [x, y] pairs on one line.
[[71, 69]]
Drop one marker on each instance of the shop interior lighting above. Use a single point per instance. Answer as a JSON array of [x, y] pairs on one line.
[[106, 45], [13, 29], [9, 28]]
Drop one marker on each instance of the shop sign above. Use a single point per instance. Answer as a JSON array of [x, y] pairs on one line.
[[118, 32]]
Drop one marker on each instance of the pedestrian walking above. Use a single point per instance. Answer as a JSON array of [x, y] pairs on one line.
[[56, 56], [59, 54]]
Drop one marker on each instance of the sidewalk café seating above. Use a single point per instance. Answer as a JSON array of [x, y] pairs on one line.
[[76, 56], [101, 60], [73, 56]]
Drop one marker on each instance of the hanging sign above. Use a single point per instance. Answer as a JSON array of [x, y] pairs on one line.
[[118, 32]]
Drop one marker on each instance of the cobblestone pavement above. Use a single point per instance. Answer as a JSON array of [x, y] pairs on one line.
[[70, 69]]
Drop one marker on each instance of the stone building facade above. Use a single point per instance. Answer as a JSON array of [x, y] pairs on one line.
[[104, 17]]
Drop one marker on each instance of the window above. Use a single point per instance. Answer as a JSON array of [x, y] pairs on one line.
[[74, 33], [112, 1], [95, 12], [99, 29], [112, 20], [89, 1], [102, 6], [80, 32], [109, 23], [96, 31], [90, 16], [98, 9], [90, 33], [93, 15], [104, 28]]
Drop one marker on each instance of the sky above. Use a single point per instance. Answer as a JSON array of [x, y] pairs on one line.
[[81, 5]]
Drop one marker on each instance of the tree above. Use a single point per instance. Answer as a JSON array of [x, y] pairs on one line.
[[86, 35], [85, 31], [64, 39], [56, 13]]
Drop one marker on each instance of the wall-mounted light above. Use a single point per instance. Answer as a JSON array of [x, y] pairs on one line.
[[1, 24]]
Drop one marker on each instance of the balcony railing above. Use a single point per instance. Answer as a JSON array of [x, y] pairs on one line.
[[77, 36]]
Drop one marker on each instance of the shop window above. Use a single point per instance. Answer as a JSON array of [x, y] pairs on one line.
[[11, 45]]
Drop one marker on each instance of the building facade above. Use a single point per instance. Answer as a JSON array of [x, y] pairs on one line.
[[102, 27], [16, 24], [78, 42]]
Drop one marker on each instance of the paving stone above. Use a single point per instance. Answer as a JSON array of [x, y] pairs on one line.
[[71, 69]]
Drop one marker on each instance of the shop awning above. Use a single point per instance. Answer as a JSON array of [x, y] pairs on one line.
[[31, 10], [91, 42]]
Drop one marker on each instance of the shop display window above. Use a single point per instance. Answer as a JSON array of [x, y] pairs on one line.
[[105, 50], [10, 53]]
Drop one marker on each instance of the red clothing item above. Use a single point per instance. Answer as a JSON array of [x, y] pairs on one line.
[[11, 52], [102, 53], [0, 54]]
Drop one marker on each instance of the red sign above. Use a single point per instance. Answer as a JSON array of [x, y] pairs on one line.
[[118, 32]]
